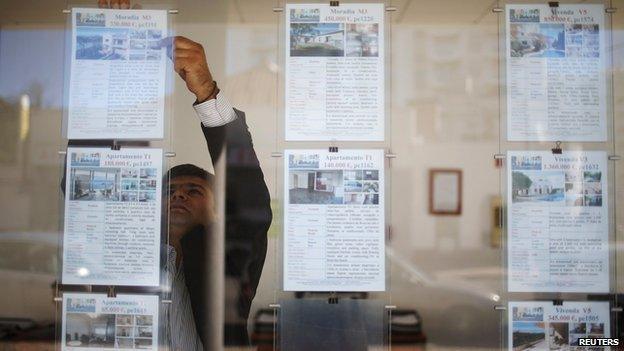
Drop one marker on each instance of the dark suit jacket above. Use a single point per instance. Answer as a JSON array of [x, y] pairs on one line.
[[247, 220]]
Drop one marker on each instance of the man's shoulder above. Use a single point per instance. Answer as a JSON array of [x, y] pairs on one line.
[[240, 114]]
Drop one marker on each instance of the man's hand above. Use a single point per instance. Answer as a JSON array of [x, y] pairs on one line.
[[189, 61]]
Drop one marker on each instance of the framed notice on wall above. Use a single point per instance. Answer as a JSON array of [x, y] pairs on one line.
[[445, 191]]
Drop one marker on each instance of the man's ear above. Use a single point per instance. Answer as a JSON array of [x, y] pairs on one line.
[[213, 214], [212, 209]]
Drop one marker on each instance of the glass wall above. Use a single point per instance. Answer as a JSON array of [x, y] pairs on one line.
[[475, 252]]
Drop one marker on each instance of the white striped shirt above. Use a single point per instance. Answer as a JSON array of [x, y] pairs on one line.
[[215, 112], [180, 331]]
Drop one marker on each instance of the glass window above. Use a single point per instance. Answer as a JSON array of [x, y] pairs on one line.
[[439, 175]]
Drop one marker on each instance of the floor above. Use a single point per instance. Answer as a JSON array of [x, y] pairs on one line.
[[46, 346]]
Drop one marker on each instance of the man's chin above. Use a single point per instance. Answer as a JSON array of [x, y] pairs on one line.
[[179, 220]]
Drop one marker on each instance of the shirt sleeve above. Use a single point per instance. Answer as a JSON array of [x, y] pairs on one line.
[[216, 112]]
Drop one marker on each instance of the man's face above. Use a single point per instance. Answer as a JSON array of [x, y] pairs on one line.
[[190, 202]]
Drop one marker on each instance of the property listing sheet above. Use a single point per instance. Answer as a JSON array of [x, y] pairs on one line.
[[334, 220], [117, 77], [98, 322], [540, 325], [112, 216], [558, 223], [556, 86], [334, 86]]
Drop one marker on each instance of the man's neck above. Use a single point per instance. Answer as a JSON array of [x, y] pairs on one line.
[[176, 233]]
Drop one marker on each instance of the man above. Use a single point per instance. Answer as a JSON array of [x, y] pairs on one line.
[[191, 218], [192, 209]]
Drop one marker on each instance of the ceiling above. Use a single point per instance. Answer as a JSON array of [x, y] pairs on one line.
[[261, 11]]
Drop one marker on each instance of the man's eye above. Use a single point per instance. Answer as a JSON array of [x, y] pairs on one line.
[[194, 192]]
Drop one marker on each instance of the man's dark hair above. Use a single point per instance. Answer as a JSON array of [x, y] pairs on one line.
[[189, 170]]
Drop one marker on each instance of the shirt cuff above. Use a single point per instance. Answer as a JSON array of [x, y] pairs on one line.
[[216, 112]]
